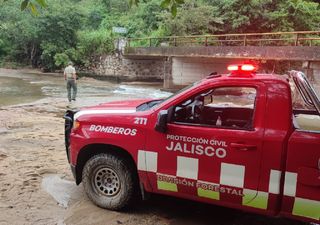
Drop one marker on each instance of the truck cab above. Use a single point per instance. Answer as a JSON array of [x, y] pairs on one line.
[[234, 140]]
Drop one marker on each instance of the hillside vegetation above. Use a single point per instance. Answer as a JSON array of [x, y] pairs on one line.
[[81, 30]]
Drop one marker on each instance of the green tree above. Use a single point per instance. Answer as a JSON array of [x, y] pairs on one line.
[[93, 44], [294, 15], [193, 18], [143, 20], [32, 5], [3, 50], [61, 59], [266, 15], [81, 30], [171, 5], [19, 34], [57, 31]]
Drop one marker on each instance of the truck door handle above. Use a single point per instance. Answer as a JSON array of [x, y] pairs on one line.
[[243, 147]]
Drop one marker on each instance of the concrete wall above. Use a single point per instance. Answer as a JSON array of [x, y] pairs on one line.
[[118, 67], [176, 72], [312, 70], [299, 53], [188, 70]]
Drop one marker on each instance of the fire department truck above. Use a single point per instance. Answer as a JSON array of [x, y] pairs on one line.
[[241, 140]]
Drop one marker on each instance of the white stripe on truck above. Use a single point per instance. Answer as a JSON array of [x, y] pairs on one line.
[[98, 112]]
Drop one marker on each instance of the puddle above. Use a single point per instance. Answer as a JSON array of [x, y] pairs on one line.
[[60, 189]]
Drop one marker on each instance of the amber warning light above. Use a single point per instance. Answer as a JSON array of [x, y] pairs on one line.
[[243, 67]]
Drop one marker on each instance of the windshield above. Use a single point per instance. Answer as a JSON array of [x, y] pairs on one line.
[[306, 90], [182, 90], [151, 104], [305, 103]]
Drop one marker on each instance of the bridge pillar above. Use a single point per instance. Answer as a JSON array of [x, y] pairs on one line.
[[167, 76], [182, 71], [312, 70]]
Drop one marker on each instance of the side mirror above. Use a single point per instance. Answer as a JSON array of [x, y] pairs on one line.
[[161, 125]]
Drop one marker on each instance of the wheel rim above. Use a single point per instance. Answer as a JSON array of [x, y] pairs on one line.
[[106, 182]]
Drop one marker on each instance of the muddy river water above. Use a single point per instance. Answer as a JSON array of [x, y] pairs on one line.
[[21, 87]]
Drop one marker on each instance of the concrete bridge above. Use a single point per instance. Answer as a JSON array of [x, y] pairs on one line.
[[181, 60]]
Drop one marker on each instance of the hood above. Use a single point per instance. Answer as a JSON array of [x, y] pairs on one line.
[[124, 104], [128, 104], [116, 107]]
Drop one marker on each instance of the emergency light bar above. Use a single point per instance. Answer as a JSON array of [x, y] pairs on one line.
[[243, 67]]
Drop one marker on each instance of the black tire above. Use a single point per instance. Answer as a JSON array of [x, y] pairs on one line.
[[109, 181]]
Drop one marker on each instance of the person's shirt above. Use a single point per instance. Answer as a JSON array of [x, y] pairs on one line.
[[69, 71]]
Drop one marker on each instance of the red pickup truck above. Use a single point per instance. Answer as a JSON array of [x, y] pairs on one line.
[[234, 140]]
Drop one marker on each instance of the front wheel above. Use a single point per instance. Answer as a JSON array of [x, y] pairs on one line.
[[108, 181]]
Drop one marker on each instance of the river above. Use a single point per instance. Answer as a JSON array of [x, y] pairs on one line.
[[25, 87]]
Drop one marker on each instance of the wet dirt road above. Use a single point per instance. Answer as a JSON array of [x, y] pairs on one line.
[[36, 185]]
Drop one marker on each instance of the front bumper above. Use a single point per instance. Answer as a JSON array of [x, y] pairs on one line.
[[68, 123]]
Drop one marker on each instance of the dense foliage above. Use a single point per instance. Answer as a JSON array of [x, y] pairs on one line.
[[80, 30]]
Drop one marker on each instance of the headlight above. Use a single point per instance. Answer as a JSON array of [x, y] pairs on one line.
[[76, 124]]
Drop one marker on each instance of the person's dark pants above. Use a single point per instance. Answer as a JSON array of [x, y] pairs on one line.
[[71, 84]]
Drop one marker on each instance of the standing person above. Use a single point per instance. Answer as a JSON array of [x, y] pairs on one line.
[[71, 77]]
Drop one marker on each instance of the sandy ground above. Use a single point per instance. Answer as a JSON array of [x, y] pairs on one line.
[[36, 185]]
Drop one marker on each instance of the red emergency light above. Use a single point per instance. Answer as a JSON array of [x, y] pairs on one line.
[[242, 67]]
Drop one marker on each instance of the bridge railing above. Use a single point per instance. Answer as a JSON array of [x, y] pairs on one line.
[[298, 38]]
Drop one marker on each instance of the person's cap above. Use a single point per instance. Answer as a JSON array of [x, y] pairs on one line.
[[70, 63]]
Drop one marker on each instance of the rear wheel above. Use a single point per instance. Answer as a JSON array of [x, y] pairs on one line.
[[109, 181]]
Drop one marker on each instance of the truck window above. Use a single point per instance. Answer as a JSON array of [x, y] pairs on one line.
[[225, 107], [305, 116]]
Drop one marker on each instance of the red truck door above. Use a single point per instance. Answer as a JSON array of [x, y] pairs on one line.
[[212, 148], [302, 176]]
